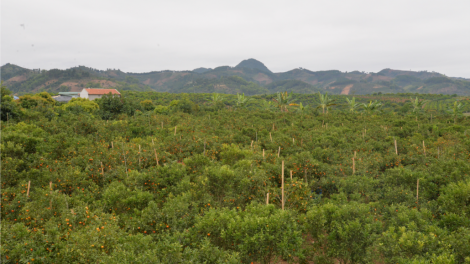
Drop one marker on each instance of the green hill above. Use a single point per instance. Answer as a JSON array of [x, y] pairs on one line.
[[253, 64], [249, 76]]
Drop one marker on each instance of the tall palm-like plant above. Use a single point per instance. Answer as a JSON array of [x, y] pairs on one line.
[[282, 100], [352, 104], [243, 100], [216, 98], [302, 109], [372, 106], [417, 104], [456, 110], [325, 102], [268, 105]]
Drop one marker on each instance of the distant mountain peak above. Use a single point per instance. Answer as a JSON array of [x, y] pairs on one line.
[[253, 64], [202, 70]]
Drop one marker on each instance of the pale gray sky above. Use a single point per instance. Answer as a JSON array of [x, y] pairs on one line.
[[142, 36]]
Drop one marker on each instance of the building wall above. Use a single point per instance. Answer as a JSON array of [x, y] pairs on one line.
[[84, 94], [92, 97]]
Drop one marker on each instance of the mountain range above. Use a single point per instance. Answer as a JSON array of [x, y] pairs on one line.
[[249, 77]]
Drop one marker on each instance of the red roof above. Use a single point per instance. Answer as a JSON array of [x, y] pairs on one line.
[[101, 91]]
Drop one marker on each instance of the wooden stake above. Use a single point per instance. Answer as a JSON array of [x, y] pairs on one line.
[[424, 148], [354, 166], [175, 130], [112, 144], [417, 193], [270, 137], [279, 152], [396, 147], [125, 160], [29, 185], [156, 157], [139, 155], [50, 193], [273, 126], [305, 175], [282, 185], [291, 175], [251, 143], [153, 142], [267, 198], [293, 141]]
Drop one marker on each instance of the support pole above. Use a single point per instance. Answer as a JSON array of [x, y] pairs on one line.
[[156, 157], [354, 166], [417, 193], [29, 185], [396, 147], [282, 185], [139, 155], [50, 193]]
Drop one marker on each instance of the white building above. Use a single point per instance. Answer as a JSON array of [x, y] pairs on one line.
[[93, 94]]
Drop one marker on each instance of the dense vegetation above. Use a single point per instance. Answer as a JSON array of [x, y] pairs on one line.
[[178, 178]]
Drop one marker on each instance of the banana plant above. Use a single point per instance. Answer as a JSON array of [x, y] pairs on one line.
[[215, 98], [352, 104], [302, 109], [268, 105], [325, 102], [372, 106], [242, 100], [456, 110], [417, 104], [282, 100]]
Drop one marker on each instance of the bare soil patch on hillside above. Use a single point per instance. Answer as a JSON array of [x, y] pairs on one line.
[[105, 83], [73, 86], [346, 89], [382, 78], [44, 85], [19, 78], [261, 77]]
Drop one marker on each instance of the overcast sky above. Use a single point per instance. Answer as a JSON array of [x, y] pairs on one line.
[[142, 36]]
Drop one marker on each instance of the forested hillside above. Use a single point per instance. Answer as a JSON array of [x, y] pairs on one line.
[[249, 76], [211, 178]]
